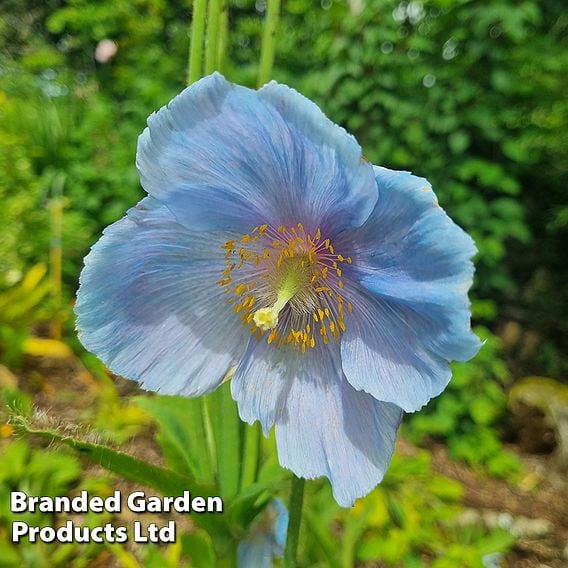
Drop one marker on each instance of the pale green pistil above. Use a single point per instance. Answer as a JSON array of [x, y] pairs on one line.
[[267, 318]]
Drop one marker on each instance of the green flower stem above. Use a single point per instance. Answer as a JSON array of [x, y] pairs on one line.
[[196, 44], [223, 37], [251, 454], [55, 249], [295, 518], [268, 42], [208, 428], [213, 20], [228, 442]]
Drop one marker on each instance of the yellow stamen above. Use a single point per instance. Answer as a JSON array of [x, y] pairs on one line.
[[296, 269]]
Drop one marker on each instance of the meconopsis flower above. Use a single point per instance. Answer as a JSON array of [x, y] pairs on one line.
[[336, 290]]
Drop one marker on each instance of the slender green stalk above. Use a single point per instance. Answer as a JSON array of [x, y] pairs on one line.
[[208, 427], [213, 19], [268, 47], [196, 45], [294, 520], [251, 454], [223, 37], [228, 442], [55, 249]]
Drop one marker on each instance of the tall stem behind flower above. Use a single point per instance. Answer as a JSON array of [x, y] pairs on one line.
[[295, 518], [268, 42], [196, 44], [223, 36], [55, 249], [213, 22]]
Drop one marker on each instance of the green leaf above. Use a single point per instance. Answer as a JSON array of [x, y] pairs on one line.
[[166, 481], [250, 501], [9, 555], [182, 434], [496, 541], [323, 538], [198, 546], [458, 141]]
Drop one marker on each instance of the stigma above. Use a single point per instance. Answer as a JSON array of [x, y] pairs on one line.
[[267, 318], [286, 285]]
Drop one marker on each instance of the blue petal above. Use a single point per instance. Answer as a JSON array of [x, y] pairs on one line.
[[255, 552], [267, 537], [323, 425], [280, 525], [412, 315], [225, 157], [351, 200], [149, 308]]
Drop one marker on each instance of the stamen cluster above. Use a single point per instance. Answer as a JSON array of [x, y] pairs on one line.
[[286, 282]]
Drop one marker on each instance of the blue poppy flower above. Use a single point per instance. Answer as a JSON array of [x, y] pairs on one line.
[[335, 290], [266, 539]]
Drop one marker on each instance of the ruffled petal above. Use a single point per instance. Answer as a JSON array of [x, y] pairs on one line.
[[149, 308], [223, 157], [411, 315], [323, 425], [345, 191]]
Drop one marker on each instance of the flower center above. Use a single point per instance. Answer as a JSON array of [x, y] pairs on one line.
[[287, 282]]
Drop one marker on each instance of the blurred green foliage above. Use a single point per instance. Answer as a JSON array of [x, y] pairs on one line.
[[469, 94], [465, 93], [49, 473], [412, 519], [23, 306], [468, 415]]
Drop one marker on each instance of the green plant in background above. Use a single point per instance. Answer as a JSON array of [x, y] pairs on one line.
[[412, 519], [50, 473], [190, 466], [402, 89], [459, 92], [55, 148], [467, 94], [468, 415], [23, 306]]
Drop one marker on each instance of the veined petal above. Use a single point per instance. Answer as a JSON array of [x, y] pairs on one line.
[[323, 425], [356, 198], [149, 308], [384, 352], [414, 266], [224, 157]]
